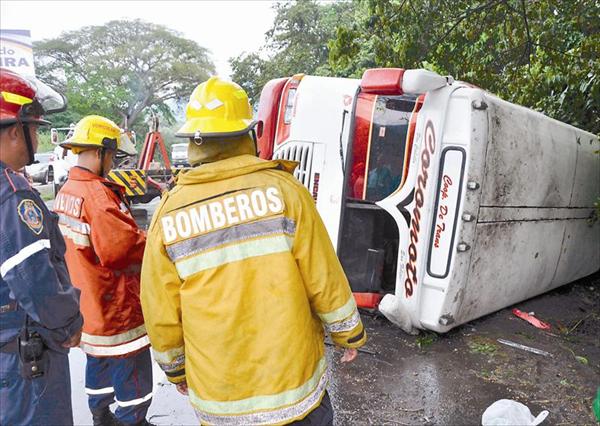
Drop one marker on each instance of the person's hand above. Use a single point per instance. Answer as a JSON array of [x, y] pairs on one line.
[[182, 388], [73, 341], [349, 355]]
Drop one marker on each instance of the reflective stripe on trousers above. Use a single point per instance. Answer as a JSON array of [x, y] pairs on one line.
[[126, 381]]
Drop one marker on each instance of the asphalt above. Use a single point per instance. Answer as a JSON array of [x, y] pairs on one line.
[[448, 379]]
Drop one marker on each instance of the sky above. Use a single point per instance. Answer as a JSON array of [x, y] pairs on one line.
[[226, 28]]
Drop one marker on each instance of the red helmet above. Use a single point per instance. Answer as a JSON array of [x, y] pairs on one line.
[[26, 99]]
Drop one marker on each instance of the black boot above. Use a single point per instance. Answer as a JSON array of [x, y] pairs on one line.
[[105, 417], [144, 423]]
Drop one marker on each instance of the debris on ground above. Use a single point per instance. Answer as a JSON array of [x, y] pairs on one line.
[[525, 348], [509, 412], [361, 350], [531, 319]]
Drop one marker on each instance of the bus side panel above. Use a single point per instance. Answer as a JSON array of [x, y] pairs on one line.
[[531, 159], [532, 232], [512, 261], [580, 252], [586, 187]]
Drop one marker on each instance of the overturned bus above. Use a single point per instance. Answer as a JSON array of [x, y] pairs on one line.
[[444, 202]]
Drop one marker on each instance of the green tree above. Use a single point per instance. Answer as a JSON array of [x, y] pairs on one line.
[[252, 72], [122, 70], [297, 43], [542, 54]]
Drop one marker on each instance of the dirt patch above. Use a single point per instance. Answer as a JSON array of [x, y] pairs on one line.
[[452, 378]]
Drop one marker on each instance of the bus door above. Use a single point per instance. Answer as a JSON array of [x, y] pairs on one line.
[[377, 167]]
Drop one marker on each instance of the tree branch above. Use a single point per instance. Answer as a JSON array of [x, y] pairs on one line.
[[461, 18], [529, 42], [467, 13]]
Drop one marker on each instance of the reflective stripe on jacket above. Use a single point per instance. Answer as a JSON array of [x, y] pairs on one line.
[[249, 280], [104, 253]]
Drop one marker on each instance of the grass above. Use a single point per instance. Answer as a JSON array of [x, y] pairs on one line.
[[489, 376], [426, 339], [46, 192], [525, 335], [44, 144], [581, 359], [482, 346]]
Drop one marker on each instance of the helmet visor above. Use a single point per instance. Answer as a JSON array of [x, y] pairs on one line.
[[47, 101], [126, 147]]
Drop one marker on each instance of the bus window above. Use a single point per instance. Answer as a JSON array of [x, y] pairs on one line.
[[387, 148], [362, 127]]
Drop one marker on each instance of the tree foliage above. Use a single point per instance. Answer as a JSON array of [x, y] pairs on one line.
[[542, 54], [297, 43], [121, 69]]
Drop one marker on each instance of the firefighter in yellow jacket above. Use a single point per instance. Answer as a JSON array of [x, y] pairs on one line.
[[239, 277]]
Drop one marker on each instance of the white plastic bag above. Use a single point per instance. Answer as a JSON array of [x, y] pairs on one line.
[[508, 412]]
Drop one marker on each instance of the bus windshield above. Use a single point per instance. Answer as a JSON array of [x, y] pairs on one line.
[[379, 153]]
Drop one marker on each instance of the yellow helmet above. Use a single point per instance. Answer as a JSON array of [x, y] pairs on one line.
[[217, 108], [94, 131]]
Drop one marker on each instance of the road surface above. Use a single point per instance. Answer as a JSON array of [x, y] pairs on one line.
[[442, 379]]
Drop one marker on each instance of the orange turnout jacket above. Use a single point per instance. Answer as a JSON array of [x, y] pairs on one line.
[[104, 254]]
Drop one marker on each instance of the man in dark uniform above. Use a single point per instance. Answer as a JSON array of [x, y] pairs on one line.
[[39, 309]]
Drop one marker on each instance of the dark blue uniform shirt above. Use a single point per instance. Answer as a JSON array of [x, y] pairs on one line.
[[34, 280]]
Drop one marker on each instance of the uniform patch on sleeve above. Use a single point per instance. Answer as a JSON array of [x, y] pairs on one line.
[[31, 214]]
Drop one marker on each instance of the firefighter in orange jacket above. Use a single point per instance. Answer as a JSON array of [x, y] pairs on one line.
[[248, 281], [104, 254]]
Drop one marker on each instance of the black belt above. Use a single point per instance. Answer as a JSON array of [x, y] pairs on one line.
[[11, 347]]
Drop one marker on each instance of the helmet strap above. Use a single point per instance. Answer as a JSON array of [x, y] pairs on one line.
[[253, 136], [102, 155], [28, 142]]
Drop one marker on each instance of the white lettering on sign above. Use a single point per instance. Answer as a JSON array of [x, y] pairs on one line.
[[16, 51], [447, 210], [227, 211], [9, 62]]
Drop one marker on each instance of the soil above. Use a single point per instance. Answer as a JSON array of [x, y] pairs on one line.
[[452, 378]]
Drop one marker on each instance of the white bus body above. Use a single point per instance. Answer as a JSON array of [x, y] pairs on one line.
[[447, 200]]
